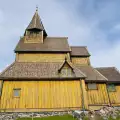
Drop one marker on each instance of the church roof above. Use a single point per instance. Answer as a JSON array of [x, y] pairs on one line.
[[36, 22], [79, 51], [92, 74], [51, 44], [39, 70], [111, 73]]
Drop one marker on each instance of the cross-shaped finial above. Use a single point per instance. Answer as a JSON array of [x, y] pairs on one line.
[[36, 7]]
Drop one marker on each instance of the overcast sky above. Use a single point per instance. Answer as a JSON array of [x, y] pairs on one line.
[[91, 23]]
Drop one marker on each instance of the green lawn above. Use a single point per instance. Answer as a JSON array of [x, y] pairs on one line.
[[65, 117]]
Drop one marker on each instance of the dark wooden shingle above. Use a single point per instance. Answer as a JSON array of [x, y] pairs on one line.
[[111, 73]]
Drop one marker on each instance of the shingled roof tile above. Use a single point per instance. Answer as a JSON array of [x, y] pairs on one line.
[[51, 44], [79, 51], [111, 73], [92, 74], [31, 70]]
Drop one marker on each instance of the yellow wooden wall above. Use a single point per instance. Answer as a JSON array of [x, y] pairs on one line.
[[42, 94], [84, 94], [33, 38], [115, 96], [81, 60], [99, 96], [29, 57], [1, 83]]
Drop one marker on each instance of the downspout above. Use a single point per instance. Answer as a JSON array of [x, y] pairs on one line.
[[83, 106]]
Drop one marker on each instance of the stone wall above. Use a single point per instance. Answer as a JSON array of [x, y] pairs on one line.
[[15, 115]]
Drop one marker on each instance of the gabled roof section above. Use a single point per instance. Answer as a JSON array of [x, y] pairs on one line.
[[111, 73], [51, 44], [65, 62], [92, 74], [79, 51], [76, 71], [33, 71]]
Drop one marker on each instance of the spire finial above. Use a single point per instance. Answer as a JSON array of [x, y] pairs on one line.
[[36, 7]]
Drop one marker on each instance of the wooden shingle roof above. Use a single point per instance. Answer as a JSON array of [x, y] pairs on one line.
[[31, 70], [36, 22], [79, 51], [51, 44], [92, 74], [111, 73]]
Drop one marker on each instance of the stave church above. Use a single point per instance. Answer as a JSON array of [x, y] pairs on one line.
[[50, 75]]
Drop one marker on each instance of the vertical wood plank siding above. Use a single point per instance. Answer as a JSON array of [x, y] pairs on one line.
[[85, 99], [1, 85], [115, 96], [42, 94], [99, 96], [29, 57], [81, 60]]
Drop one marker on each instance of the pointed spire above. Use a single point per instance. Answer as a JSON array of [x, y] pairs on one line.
[[36, 23]]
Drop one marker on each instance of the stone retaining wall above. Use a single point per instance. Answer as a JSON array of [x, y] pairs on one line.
[[14, 116]]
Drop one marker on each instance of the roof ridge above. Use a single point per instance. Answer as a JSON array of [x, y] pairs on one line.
[[39, 62], [57, 37], [80, 71], [99, 73], [105, 67], [79, 46], [116, 70]]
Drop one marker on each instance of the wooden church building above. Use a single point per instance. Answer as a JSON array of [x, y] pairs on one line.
[[50, 75]]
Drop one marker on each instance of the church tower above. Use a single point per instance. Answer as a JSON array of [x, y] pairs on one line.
[[35, 32]]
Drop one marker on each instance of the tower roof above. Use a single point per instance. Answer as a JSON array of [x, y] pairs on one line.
[[36, 23]]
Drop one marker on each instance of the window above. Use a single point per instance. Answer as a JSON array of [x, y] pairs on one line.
[[16, 92], [66, 72], [111, 88], [92, 86]]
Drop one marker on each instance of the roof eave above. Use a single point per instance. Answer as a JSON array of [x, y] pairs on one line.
[[38, 51], [96, 81], [42, 78]]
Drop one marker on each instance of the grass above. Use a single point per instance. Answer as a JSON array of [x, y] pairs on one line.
[[65, 117]]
